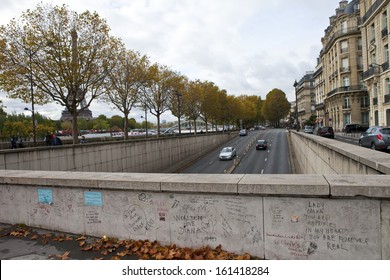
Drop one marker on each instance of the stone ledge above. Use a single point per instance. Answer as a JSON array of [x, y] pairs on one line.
[[284, 184], [202, 183], [377, 186]]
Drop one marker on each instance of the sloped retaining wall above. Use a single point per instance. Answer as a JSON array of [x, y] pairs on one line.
[[269, 216], [151, 155]]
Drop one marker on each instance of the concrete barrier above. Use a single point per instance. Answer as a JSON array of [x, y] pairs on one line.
[[151, 155], [317, 155], [268, 216]]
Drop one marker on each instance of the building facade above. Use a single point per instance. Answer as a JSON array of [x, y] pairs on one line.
[[319, 89], [376, 76], [346, 98], [306, 98]]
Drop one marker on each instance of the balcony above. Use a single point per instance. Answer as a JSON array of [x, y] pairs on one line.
[[346, 88], [371, 72], [346, 107], [345, 69]]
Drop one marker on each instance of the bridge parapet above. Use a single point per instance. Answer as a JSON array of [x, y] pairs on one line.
[[269, 216], [317, 155]]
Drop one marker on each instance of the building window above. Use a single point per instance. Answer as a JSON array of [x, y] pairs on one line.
[[344, 46], [376, 118], [360, 45], [387, 86], [347, 118], [386, 53], [384, 24], [347, 103], [360, 62], [375, 97], [364, 103], [344, 27], [365, 117], [372, 31], [345, 65], [346, 82]]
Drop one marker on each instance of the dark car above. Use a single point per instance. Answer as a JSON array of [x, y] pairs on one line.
[[243, 132], [326, 131], [377, 138], [261, 145], [349, 128]]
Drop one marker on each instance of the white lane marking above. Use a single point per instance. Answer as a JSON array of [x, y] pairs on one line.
[[262, 171], [265, 159]]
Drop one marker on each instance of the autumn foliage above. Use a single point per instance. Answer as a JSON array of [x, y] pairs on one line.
[[106, 248]]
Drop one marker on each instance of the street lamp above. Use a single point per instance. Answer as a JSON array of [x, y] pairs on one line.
[[33, 120], [296, 103], [178, 109], [146, 122]]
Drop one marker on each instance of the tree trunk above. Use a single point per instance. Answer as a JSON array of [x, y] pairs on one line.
[[158, 125], [126, 128], [75, 132]]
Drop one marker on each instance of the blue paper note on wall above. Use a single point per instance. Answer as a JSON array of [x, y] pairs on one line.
[[45, 196], [93, 199]]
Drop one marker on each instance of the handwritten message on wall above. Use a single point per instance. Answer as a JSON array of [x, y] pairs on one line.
[[321, 228]]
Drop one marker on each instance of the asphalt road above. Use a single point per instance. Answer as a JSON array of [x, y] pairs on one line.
[[275, 160]]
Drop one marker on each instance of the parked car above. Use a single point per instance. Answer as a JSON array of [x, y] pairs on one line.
[[326, 131], [376, 137], [261, 145], [243, 132], [227, 153], [349, 128], [308, 129]]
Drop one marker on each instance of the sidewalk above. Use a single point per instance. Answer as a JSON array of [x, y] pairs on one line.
[[25, 243]]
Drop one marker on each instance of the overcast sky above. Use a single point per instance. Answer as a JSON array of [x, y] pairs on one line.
[[243, 46]]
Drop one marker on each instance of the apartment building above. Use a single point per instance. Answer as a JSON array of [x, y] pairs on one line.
[[375, 35], [346, 98], [305, 97], [319, 90]]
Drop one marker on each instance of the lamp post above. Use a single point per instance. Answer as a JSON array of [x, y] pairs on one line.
[[32, 100], [146, 122], [33, 120], [178, 109], [296, 103]]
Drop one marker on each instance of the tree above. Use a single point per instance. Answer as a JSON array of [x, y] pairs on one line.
[[192, 104], [66, 56], [208, 101], [158, 90], [276, 106], [125, 83]]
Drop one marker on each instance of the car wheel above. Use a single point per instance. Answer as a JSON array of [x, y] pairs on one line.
[[373, 146]]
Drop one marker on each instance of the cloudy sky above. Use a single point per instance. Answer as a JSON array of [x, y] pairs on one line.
[[244, 46]]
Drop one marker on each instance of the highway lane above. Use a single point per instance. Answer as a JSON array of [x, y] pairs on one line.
[[275, 160], [210, 163]]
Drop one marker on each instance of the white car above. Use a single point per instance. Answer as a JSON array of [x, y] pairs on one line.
[[227, 153]]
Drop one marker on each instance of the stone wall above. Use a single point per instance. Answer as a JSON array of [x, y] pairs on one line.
[[268, 216], [151, 155], [317, 155]]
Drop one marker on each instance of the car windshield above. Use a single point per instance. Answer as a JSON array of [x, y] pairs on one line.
[[260, 142], [226, 150]]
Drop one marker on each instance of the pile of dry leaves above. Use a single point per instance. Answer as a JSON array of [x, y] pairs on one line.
[[114, 249]]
